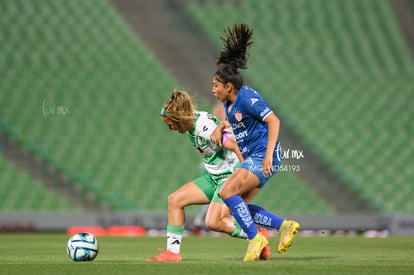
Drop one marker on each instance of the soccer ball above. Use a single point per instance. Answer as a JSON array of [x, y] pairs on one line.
[[82, 247]]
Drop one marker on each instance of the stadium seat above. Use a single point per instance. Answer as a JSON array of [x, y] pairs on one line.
[[335, 80]]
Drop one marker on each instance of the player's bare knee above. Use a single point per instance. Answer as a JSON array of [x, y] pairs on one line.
[[224, 193], [173, 200], [212, 224]]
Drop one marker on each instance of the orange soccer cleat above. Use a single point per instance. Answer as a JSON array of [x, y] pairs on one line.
[[165, 256], [265, 255]]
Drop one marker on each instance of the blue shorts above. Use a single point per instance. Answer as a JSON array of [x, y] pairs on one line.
[[253, 163]]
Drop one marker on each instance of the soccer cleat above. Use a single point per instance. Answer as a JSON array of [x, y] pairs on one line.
[[265, 255], [255, 247], [288, 230], [165, 256]]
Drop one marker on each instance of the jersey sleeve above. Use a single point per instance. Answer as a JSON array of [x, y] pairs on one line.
[[205, 126], [256, 106]]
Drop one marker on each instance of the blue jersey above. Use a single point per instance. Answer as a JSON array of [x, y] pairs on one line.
[[246, 117]]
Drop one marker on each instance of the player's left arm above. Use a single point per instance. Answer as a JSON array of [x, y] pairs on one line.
[[217, 135], [260, 110], [273, 125], [230, 144]]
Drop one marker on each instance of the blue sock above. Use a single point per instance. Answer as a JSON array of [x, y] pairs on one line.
[[263, 217], [242, 215]]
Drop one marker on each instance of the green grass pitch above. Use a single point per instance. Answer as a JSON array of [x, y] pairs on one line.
[[46, 254]]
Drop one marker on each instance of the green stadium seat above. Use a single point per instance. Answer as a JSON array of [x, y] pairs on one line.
[[336, 83], [333, 79]]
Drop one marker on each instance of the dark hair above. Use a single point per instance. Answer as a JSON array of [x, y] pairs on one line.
[[234, 55]]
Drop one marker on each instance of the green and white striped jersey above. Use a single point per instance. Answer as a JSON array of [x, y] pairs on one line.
[[217, 160]]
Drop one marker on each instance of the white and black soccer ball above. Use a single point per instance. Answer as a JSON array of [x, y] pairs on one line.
[[82, 247]]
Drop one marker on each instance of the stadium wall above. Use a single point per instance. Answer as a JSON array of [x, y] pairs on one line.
[[61, 221]]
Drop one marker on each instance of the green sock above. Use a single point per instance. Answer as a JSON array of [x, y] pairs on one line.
[[238, 232], [179, 230]]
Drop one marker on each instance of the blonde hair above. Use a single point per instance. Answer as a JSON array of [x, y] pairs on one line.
[[179, 107]]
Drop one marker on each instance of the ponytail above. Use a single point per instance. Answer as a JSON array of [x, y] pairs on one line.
[[234, 54]]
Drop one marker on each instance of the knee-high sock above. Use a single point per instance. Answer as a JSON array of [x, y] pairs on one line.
[[242, 215], [264, 217], [174, 237]]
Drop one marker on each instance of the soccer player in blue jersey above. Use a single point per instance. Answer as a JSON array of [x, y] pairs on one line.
[[256, 128], [180, 114]]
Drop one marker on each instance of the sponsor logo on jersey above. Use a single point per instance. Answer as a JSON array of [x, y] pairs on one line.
[[241, 135], [238, 116], [205, 128], [238, 125], [253, 100], [200, 141]]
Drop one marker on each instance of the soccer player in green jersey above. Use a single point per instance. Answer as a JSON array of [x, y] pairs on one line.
[[198, 222], [180, 114]]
